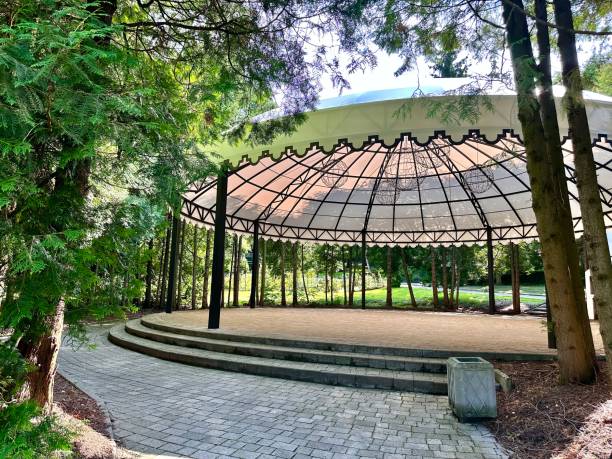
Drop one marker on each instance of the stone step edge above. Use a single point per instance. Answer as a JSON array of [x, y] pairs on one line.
[[380, 361], [336, 375], [342, 347]]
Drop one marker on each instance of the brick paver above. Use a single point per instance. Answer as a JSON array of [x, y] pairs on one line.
[[166, 408], [409, 329]]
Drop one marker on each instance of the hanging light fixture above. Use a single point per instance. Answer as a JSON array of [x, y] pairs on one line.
[[405, 169], [333, 171], [433, 155], [386, 193], [479, 178]]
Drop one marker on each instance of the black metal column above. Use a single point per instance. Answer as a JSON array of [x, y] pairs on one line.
[[218, 259], [173, 271], [491, 270], [254, 266], [363, 269]]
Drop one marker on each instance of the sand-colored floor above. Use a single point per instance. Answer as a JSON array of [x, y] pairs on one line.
[[421, 330]]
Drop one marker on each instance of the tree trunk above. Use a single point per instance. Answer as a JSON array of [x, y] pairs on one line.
[[351, 270], [42, 353], [457, 275], [238, 251], [595, 238], [207, 261], [453, 271], [294, 266], [283, 281], [332, 271], [149, 279], [404, 257], [262, 291], [194, 262], [232, 269], [444, 278], [179, 288], [345, 296], [164, 273], [550, 202], [326, 274], [515, 274], [389, 300], [434, 284], [304, 275]]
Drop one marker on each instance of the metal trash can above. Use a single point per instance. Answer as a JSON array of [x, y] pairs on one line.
[[471, 388]]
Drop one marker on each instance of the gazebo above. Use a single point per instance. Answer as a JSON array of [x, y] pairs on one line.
[[388, 168]]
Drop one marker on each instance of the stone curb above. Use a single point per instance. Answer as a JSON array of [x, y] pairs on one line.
[[150, 322], [415, 364], [108, 420], [367, 378]]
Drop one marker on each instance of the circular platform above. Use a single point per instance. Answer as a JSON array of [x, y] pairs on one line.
[[404, 329]]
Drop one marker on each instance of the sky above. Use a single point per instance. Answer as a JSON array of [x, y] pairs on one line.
[[381, 76]]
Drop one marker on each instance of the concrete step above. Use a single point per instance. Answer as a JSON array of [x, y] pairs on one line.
[[340, 375], [158, 322], [390, 362]]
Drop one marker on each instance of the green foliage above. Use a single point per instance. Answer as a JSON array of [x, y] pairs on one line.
[[25, 434], [447, 65], [597, 74], [24, 431]]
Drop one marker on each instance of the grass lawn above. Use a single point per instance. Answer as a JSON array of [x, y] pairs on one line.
[[475, 296]]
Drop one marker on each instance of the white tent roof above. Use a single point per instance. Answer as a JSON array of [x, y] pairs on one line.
[[411, 180]]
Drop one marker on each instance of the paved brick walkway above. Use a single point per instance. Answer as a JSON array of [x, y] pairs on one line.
[[165, 408]]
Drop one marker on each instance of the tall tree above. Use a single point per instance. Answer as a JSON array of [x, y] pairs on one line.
[[232, 247], [351, 272], [434, 281], [294, 280], [389, 299], [148, 303], [194, 265], [595, 238], [238, 252], [283, 275], [549, 199], [207, 263], [304, 274], [344, 290], [179, 290], [443, 263], [408, 277], [453, 273], [262, 291], [332, 273], [164, 268], [515, 277]]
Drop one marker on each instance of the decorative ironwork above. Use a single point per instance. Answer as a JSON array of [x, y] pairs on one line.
[[334, 170], [386, 193], [479, 178], [404, 171], [433, 156], [475, 163]]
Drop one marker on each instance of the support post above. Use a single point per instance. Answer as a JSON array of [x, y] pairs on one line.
[[216, 284], [490, 269], [254, 266], [174, 249], [363, 269], [550, 325]]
